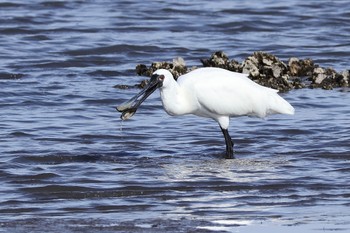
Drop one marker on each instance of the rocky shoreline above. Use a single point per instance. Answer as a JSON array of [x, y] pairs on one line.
[[263, 68]]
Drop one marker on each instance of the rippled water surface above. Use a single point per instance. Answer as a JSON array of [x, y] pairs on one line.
[[69, 164]]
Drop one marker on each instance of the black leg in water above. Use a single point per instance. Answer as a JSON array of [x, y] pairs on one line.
[[229, 144]]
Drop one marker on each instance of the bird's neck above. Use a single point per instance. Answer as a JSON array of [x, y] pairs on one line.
[[174, 99]]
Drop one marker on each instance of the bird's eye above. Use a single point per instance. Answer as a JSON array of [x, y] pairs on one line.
[[161, 77]]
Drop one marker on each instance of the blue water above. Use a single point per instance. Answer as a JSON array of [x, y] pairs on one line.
[[69, 164]]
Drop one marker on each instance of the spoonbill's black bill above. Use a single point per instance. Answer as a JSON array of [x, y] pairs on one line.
[[213, 93]]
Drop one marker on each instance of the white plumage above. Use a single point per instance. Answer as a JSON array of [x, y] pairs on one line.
[[214, 93]]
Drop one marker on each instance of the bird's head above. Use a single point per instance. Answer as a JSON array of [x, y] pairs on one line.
[[160, 78]]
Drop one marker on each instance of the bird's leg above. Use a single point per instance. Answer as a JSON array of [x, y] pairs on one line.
[[229, 144]]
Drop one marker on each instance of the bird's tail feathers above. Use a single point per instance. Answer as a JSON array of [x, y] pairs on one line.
[[280, 105]]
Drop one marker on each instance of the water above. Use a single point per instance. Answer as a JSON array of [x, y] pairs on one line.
[[68, 163]]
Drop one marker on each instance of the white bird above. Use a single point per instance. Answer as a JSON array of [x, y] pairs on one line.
[[213, 93]]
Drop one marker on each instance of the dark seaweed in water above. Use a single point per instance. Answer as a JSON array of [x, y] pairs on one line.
[[10, 76], [69, 164]]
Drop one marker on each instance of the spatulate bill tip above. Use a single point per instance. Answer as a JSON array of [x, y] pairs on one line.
[[127, 114]]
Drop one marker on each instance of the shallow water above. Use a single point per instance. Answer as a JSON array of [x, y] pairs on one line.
[[68, 163]]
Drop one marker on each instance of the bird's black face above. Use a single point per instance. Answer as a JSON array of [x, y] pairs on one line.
[[129, 107]]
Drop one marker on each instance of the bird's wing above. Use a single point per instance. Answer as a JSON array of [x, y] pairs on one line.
[[229, 98], [223, 93]]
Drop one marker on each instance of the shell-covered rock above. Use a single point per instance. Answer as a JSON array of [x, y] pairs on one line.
[[177, 67], [263, 68]]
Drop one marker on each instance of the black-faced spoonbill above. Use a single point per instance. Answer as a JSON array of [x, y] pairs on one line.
[[210, 92]]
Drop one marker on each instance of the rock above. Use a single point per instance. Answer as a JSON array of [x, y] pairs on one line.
[[177, 67], [277, 71], [263, 68], [179, 62], [294, 66], [326, 78], [251, 68], [300, 67], [266, 61], [346, 76], [267, 70], [142, 84], [297, 83], [307, 66], [319, 75], [217, 59], [141, 69], [221, 60]]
